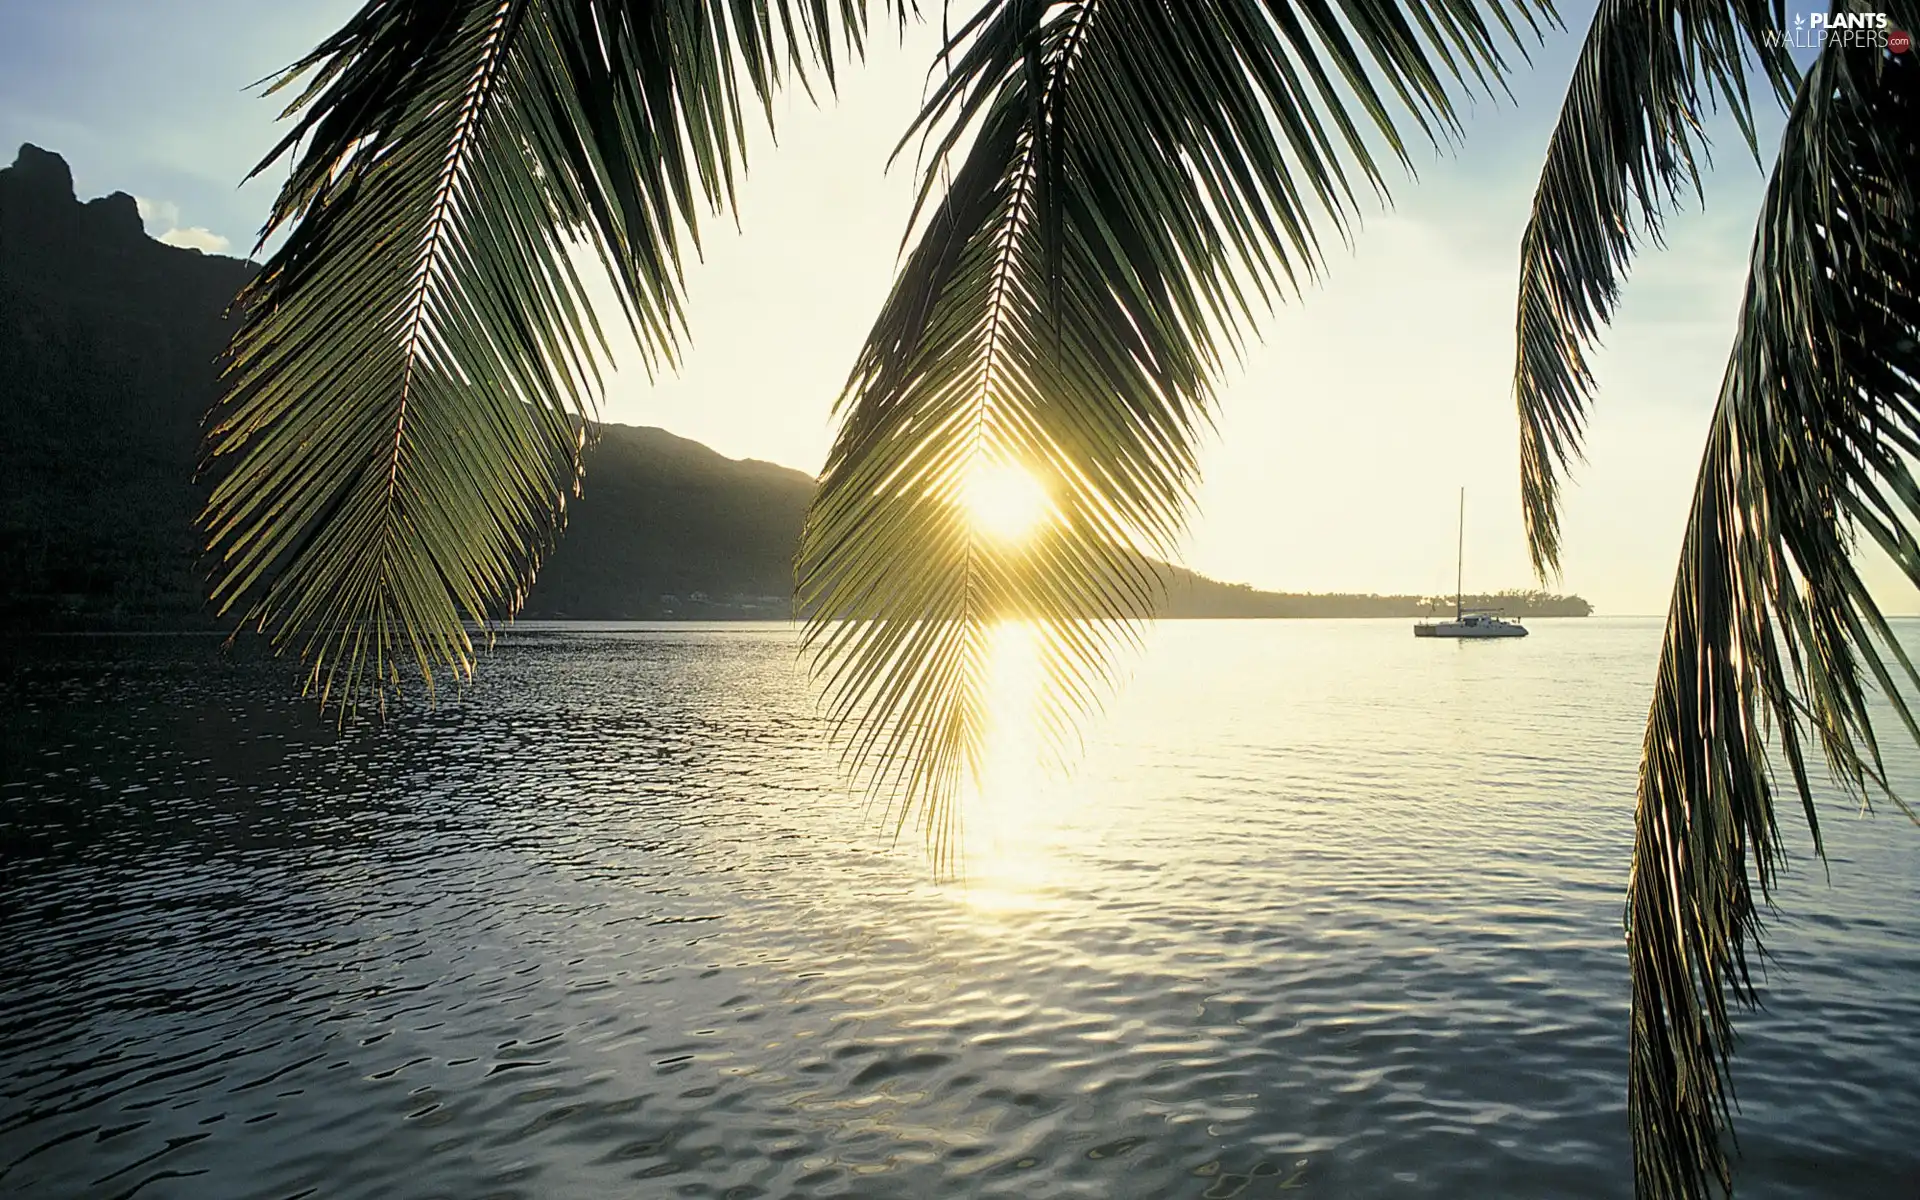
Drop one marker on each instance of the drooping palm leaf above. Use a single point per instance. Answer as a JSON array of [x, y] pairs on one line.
[[409, 389], [1773, 643], [1627, 147], [1134, 181]]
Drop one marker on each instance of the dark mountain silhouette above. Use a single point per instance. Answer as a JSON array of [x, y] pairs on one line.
[[107, 348], [665, 527], [109, 342]]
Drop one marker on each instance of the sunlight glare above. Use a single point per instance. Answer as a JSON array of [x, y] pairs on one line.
[[1014, 808], [1006, 502]]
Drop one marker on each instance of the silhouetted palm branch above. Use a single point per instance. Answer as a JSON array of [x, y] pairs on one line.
[[1773, 643], [410, 385], [1136, 180], [1115, 190], [1627, 146]]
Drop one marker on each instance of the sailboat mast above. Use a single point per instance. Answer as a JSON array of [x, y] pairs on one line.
[[1460, 556]]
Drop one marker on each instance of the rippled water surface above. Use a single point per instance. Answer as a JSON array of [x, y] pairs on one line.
[[1324, 911]]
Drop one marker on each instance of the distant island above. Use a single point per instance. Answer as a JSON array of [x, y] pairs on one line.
[[108, 349], [1195, 596]]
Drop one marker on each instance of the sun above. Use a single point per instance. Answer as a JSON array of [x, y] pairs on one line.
[[1006, 502]]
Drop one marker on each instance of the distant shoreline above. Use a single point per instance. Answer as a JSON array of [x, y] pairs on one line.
[[161, 630]]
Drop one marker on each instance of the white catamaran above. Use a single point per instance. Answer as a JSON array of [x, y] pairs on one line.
[[1480, 623]]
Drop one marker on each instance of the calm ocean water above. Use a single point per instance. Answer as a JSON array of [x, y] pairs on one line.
[[1324, 911]]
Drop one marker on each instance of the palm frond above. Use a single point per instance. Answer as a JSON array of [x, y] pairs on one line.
[[1626, 149], [409, 391], [1135, 181], [1773, 643]]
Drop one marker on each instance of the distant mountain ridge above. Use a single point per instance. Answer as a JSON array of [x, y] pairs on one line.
[[108, 349], [666, 527], [108, 342]]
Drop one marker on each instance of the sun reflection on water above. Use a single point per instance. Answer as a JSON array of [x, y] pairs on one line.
[[1018, 810]]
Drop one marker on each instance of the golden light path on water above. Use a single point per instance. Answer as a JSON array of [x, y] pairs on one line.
[[1018, 823]]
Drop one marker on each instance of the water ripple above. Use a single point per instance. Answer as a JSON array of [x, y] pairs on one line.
[[1325, 911]]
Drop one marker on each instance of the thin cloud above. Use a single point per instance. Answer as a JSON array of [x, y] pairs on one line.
[[162, 214], [196, 237], [165, 215]]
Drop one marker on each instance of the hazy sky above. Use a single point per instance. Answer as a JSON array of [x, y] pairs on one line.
[[1341, 441]]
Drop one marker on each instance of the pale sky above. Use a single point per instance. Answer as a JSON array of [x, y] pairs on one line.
[[1341, 441]]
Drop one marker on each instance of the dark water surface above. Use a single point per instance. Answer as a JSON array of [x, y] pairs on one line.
[[1325, 911]]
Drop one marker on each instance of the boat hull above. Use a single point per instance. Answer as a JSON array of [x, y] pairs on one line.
[[1461, 629]]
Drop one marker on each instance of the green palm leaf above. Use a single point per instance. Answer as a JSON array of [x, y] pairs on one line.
[[409, 389], [1134, 182], [1773, 643], [1626, 148]]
